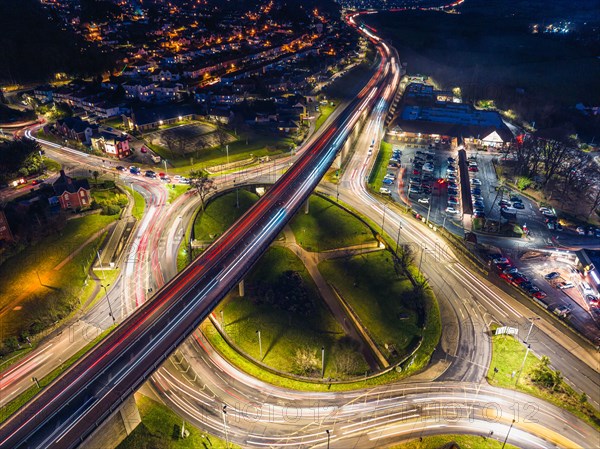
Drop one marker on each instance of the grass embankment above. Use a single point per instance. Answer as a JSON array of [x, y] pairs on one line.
[[176, 190], [139, 203], [463, 441], [29, 393], [221, 213], [51, 165], [239, 150], [347, 86], [328, 226], [161, 428], [325, 111], [507, 357], [380, 167], [383, 300], [288, 335], [34, 292], [106, 277]]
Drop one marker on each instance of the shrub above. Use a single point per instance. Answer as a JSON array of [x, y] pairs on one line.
[[524, 182]]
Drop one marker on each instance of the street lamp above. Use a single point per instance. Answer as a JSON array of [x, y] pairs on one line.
[[225, 426], [227, 150], [108, 301], [522, 364], [322, 361], [165, 162], [383, 219], [328, 437], [508, 433], [532, 319], [259, 343], [398, 237]]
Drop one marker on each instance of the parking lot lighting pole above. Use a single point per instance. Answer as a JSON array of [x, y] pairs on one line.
[[322, 361], [328, 437], [383, 219], [225, 426], [508, 433]]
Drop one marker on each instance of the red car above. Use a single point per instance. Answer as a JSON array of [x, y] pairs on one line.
[[144, 150], [416, 172], [539, 295], [473, 169]]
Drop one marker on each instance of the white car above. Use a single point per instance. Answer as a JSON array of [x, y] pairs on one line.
[[385, 191], [451, 210], [423, 200], [475, 182]]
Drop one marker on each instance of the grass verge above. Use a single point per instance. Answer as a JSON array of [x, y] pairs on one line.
[[507, 356], [139, 203], [326, 111], [463, 441], [176, 190], [29, 393], [380, 167], [161, 428], [328, 226]]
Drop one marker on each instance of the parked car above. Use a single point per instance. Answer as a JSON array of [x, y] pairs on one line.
[[150, 174], [423, 200], [385, 191], [518, 205], [565, 285], [552, 275], [451, 210], [134, 170], [120, 168], [563, 311], [503, 203], [479, 214], [500, 260], [580, 230], [388, 181], [539, 295], [475, 182], [414, 189], [473, 169]]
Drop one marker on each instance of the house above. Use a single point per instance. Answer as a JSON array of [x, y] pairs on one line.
[[76, 129], [220, 115], [116, 145], [151, 118], [71, 193]]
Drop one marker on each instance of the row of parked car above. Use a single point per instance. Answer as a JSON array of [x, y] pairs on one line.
[[475, 183], [512, 275], [453, 201], [152, 174], [421, 177], [392, 170]]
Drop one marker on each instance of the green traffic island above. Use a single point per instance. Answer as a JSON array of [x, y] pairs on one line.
[[282, 329], [161, 428], [536, 378], [454, 442]]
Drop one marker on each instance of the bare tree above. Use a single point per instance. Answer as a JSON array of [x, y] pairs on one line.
[[203, 184], [221, 136]]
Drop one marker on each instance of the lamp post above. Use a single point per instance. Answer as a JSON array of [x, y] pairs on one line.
[[227, 151], [398, 237], [165, 162], [383, 219], [508, 433], [328, 437], [100, 263], [225, 426], [532, 319], [522, 364], [108, 301], [259, 343], [322, 361]]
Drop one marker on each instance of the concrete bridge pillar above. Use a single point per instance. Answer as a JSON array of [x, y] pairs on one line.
[[116, 428], [306, 206], [241, 289]]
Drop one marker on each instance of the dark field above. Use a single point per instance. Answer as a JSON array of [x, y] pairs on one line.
[[489, 51]]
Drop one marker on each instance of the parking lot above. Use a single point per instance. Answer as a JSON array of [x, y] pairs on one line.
[[555, 284]]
